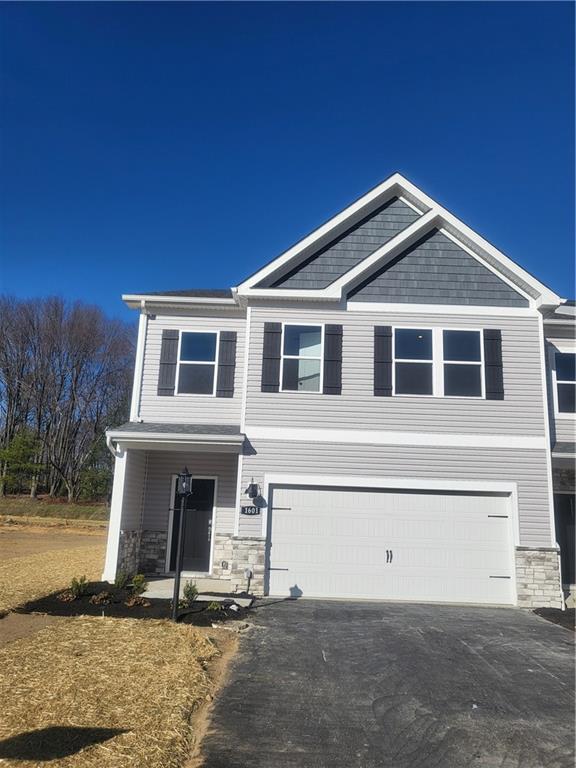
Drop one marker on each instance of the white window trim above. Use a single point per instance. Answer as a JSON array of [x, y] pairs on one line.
[[197, 362], [437, 361], [320, 389], [565, 346]]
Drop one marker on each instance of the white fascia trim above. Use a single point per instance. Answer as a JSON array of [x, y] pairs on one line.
[[139, 363], [377, 437], [440, 309], [170, 437], [134, 300], [386, 188], [545, 401]]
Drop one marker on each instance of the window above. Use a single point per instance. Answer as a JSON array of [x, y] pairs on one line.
[[462, 363], [413, 362], [197, 363], [437, 362], [302, 358], [566, 382]]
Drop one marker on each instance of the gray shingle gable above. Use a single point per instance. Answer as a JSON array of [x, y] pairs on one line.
[[331, 262], [437, 271]]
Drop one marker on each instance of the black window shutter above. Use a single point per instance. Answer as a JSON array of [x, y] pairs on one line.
[[494, 377], [332, 360], [271, 357], [383, 360], [226, 364], [168, 361]]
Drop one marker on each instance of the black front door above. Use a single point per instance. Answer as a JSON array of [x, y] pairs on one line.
[[197, 527]]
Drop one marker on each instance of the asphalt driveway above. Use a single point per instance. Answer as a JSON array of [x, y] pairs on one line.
[[346, 685]]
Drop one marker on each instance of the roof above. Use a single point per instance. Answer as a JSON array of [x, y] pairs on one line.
[[565, 313], [148, 428], [203, 293]]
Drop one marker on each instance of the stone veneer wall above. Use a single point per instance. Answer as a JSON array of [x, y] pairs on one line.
[[153, 552], [128, 552], [538, 578], [238, 553]]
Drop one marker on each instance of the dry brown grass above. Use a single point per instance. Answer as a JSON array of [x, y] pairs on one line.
[[34, 576], [142, 677]]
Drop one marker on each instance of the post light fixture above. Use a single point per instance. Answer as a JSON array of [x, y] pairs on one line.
[[184, 486]]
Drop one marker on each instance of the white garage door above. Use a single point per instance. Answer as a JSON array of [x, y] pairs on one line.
[[389, 544]]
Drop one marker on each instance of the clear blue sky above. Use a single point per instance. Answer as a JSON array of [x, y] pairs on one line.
[[158, 146]]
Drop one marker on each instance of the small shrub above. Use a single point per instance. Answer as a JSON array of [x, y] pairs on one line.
[[214, 606], [78, 587], [121, 580], [189, 593], [137, 600], [102, 598], [139, 584]]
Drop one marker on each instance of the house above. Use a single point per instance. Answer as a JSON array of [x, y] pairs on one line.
[[365, 417]]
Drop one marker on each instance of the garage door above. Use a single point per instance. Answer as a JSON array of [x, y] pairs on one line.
[[390, 544]]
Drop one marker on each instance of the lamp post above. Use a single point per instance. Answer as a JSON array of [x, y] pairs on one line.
[[184, 487]]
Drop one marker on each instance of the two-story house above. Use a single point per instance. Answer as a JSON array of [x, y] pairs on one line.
[[365, 417]]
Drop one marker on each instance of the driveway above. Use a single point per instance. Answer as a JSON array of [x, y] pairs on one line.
[[359, 685]]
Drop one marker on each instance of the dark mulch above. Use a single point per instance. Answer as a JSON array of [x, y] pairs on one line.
[[198, 614], [566, 619]]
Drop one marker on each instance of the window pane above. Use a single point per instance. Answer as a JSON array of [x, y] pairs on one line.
[[462, 345], [198, 347], [565, 366], [567, 398], [413, 379], [196, 379], [301, 375], [412, 344], [462, 380], [302, 340]]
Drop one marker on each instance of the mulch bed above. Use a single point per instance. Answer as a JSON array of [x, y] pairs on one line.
[[198, 614], [566, 619]]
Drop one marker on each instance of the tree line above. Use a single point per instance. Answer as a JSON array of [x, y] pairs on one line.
[[65, 376]]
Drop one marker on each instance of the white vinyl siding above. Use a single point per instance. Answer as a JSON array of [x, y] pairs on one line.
[[134, 490], [184, 408], [520, 413], [161, 465], [526, 468]]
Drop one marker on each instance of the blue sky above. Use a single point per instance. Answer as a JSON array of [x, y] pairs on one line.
[[151, 146]]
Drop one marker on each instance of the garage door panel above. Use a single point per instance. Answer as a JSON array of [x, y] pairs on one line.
[[336, 543]]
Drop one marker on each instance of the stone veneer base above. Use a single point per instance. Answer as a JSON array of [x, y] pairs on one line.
[[233, 555], [538, 581]]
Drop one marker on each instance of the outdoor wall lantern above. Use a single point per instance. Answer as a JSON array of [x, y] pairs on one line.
[[252, 490], [184, 486]]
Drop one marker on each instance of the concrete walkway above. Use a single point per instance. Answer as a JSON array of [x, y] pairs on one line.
[[361, 685]]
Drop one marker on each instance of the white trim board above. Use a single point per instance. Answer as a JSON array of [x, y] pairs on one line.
[[378, 437], [441, 309]]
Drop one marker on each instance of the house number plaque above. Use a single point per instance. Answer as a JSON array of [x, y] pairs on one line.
[[249, 510]]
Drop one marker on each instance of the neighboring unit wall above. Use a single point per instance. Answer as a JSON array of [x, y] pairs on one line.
[[190, 409], [520, 413], [562, 426]]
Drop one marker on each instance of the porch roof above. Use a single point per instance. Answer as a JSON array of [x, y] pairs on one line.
[[155, 436]]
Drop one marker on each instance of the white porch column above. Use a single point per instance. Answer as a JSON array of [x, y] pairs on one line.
[[114, 524]]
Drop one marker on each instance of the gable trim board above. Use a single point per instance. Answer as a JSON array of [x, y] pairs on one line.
[[435, 215]]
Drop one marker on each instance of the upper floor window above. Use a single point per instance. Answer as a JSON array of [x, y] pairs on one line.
[[302, 358], [413, 362], [443, 363], [566, 382], [197, 363], [462, 351]]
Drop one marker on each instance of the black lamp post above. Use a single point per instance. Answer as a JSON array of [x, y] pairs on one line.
[[184, 487]]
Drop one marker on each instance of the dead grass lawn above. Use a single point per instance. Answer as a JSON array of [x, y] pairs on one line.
[[140, 678], [31, 577]]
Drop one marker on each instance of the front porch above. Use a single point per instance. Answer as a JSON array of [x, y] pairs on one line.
[[145, 508]]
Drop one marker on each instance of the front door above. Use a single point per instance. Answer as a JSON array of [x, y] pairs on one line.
[[197, 526]]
